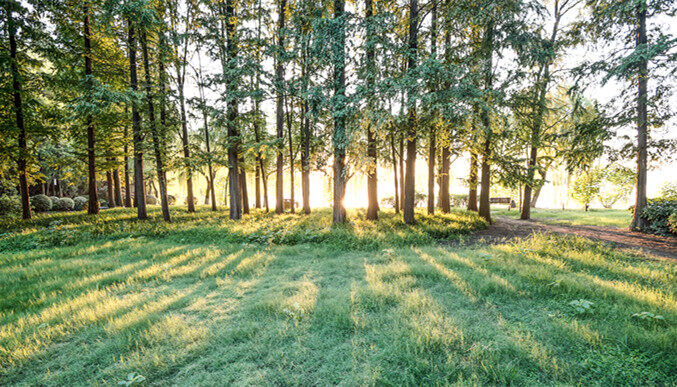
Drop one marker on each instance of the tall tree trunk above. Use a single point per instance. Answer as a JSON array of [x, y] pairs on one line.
[[445, 204], [243, 186], [401, 162], [409, 179], [209, 188], [118, 188], [279, 113], [185, 146], [291, 155], [537, 193], [394, 155], [472, 183], [487, 48], [372, 167], [139, 186], [110, 190], [157, 147], [305, 160], [542, 81], [232, 115], [339, 139], [638, 222], [210, 168], [125, 158], [432, 150], [93, 207], [257, 186], [18, 111]]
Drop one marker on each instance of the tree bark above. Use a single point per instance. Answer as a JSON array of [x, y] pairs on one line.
[[110, 190], [432, 150], [232, 114], [372, 167], [118, 188], [485, 208], [93, 206], [257, 186], [22, 162], [409, 180], [445, 204], [185, 145], [279, 117], [472, 183], [210, 168], [157, 147], [139, 186], [339, 138], [291, 155], [394, 155], [125, 158], [243, 186], [638, 221]]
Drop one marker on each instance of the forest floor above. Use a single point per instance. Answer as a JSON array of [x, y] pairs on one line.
[[506, 228], [290, 300]]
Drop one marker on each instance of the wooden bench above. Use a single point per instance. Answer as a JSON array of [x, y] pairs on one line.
[[508, 201]]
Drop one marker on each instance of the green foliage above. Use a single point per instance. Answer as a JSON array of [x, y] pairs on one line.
[[586, 186], [54, 199], [581, 307], [658, 212], [458, 200], [41, 203], [133, 379], [63, 204], [672, 223], [80, 203], [617, 184], [669, 191], [10, 205]]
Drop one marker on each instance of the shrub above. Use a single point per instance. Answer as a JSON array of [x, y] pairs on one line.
[[658, 213], [54, 199], [63, 204], [672, 223], [458, 200], [171, 200], [151, 200], [10, 205], [669, 191], [80, 203], [41, 203], [103, 203]]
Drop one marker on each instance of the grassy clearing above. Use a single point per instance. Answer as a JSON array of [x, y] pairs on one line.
[[593, 217], [205, 226], [210, 311]]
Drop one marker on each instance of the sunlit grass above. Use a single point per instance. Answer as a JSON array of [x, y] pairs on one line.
[[182, 309], [593, 217], [204, 226]]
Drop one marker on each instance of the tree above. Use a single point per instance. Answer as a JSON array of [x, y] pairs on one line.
[[586, 186], [340, 138], [279, 112], [639, 55], [409, 189], [616, 185]]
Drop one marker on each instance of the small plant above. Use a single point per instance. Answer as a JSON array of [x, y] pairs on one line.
[[648, 316], [581, 306], [132, 379]]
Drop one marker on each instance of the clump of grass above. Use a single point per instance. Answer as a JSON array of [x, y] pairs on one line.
[[260, 228], [592, 217]]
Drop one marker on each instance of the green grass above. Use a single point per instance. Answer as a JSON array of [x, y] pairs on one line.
[[593, 217], [179, 309]]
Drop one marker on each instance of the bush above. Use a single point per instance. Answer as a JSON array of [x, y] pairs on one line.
[[41, 203], [658, 212], [54, 199], [63, 204], [672, 223], [103, 203], [10, 205], [171, 200], [80, 203], [151, 200], [458, 200]]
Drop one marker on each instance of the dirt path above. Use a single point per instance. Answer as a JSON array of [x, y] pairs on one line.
[[505, 229]]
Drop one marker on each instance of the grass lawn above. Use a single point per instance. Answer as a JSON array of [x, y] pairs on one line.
[[593, 217], [288, 300]]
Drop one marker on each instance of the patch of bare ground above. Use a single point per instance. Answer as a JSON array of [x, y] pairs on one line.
[[506, 229]]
